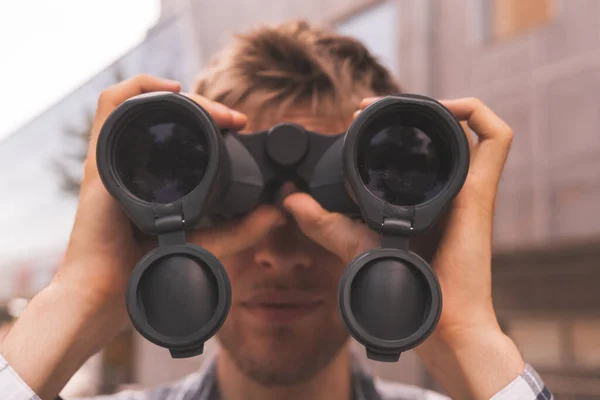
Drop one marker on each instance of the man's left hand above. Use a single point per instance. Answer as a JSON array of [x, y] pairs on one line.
[[467, 353]]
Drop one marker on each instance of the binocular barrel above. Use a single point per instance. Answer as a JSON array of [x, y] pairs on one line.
[[401, 162]]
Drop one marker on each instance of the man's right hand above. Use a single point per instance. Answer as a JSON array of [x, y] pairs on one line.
[[103, 248], [84, 306]]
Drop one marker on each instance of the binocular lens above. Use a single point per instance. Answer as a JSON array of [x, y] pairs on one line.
[[161, 154], [389, 299], [402, 160], [179, 295]]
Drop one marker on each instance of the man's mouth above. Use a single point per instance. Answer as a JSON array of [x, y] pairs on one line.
[[281, 306]]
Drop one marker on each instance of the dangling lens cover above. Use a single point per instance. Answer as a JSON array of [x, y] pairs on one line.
[[178, 297]]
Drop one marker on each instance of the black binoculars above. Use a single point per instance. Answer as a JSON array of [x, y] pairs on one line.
[[399, 165]]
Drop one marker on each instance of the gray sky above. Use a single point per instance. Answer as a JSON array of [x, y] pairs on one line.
[[48, 48]]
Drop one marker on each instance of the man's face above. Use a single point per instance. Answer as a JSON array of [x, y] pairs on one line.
[[284, 325]]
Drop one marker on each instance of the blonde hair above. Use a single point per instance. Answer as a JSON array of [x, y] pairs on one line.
[[273, 68]]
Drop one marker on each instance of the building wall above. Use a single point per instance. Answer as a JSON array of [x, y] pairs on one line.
[[545, 83]]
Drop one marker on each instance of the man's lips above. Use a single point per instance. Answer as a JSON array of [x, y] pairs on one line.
[[281, 306]]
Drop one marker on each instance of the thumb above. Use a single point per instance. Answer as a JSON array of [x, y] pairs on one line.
[[233, 237], [335, 232]]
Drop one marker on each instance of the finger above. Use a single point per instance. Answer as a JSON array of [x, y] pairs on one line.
[[495, 137], [480, 118], [224, 116], [468, 134], [116, 94], [367, 101], [335, 232], [230, 238], [471, 138]]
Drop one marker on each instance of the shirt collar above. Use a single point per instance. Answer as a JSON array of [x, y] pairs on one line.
[[363, 386]]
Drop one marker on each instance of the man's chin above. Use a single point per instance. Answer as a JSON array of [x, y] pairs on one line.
[[280, 367], [268, 375], [274, 358]]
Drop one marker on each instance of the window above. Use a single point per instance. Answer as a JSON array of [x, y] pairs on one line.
[[507, 18], [377, 28]]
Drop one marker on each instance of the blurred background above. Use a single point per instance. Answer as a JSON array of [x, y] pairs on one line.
[[535, 62]]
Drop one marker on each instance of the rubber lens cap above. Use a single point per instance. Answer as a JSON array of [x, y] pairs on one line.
[[178, 295], [389, 299]]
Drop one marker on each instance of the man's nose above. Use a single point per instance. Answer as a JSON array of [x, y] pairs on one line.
[[284, 249]]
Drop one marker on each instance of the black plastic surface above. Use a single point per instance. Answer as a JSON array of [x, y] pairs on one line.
[[178, 283], [414, 110], [256, 177], [286, 144], [400, 287], [390, 300], [178, 297], [142, 212]]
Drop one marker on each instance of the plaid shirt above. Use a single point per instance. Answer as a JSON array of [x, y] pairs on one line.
[[202, 385]]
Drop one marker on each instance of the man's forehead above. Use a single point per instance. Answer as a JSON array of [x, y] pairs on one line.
[[322, 124]]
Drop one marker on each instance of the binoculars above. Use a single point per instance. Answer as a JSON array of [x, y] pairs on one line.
[[398, 166]]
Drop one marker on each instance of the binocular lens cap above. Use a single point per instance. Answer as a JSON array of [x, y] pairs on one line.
[[178, 297], [389, 299], [178, 294]]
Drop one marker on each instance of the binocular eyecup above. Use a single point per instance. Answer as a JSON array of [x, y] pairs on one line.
[[398, 166]]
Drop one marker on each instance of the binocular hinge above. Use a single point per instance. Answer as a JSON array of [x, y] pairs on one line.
[[396, 233], [171, 230]]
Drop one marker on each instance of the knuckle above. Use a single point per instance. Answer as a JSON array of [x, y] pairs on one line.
[[200, 98], [144, 77], [476, 102], [106, 96], [325, 220], [506, 134], [510, 134]]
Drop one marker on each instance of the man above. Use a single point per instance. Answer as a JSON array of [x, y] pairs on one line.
[[282, 258]]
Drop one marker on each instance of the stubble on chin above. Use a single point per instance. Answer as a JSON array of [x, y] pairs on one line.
[[280, 355]]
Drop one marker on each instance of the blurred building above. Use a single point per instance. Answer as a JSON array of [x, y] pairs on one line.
[[535, 62]]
